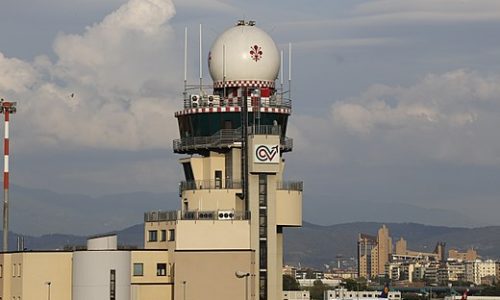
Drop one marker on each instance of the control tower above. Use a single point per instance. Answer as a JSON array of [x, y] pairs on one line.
[[234, 200]]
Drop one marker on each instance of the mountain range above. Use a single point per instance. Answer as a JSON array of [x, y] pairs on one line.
[[316, 245], [37, 212]]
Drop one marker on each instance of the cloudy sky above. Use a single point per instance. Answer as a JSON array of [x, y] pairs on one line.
[[396, 102]]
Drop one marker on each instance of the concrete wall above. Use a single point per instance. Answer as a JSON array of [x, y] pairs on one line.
[[209, 234], [288, 208], [150, 286], [91, 274], [211, 274]]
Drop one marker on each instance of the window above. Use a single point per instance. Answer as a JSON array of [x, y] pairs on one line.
[[163, 235], [112, 284], [171, 234], [1, 275], [153, 235], [161, 269], [138, 269]]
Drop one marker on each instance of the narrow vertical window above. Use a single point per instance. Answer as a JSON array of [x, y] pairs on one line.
[[163, 235], [112, 284]]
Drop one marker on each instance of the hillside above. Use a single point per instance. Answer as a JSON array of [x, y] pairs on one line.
[[315, 245]]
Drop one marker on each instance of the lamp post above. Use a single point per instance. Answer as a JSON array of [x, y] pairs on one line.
[[242, 274], [48, 283], [184, 289]]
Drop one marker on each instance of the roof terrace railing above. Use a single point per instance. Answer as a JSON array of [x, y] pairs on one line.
[[223, 215], [230, 184], [209, 185], [291, 185]]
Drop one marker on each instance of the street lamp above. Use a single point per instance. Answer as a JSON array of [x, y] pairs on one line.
[[184, 289], [243, 274], [48, 283]]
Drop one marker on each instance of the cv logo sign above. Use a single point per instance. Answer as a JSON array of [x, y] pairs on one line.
[[267, 154]]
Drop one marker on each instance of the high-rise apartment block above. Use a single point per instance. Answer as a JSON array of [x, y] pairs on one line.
[[373, 253]]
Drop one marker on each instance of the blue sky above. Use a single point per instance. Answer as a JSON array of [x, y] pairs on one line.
[[395, 101]]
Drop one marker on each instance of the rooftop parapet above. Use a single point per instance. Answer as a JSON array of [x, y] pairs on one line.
[[221, 215]]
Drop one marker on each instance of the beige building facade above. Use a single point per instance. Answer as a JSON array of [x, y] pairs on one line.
[[33, 275]]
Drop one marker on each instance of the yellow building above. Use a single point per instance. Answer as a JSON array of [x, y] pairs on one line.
[[33, 275], [152, 275]]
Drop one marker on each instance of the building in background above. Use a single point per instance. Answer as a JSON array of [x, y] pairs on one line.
[[373, 253], [343, 294]]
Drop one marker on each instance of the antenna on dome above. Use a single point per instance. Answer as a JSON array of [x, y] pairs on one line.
[[290, 70], [281, 71], [224, 69], [185, 57], [201, 64]]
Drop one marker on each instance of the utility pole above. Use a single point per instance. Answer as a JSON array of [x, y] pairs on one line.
[[6, 108]]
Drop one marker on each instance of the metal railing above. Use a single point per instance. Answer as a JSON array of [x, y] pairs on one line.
[[230, 184], [223, 215], [209, 185], [275, 101], [226, 137], [291, 185]]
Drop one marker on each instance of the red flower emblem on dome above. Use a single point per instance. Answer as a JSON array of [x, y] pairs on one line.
[[256, 52]]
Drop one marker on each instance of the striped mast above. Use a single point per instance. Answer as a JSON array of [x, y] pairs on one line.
[[6, 108]]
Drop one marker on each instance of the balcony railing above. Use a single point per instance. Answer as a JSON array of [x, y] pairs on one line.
[[223, 215], [276, 101], [230, 184], [291, 185], [226, 137], [209, 185]]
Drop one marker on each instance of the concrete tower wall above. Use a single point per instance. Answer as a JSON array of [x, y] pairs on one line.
[[92, 275]]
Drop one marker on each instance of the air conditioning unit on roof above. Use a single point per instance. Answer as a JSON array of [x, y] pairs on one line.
[[195, 100], [225, 215]]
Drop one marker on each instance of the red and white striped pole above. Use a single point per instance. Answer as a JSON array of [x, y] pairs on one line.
[[6, 108]]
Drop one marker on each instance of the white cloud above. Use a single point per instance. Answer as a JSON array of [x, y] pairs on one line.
[[402, 12], [452, 117], [108, 88]]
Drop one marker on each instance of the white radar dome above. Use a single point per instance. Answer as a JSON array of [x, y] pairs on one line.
[[244, 53]]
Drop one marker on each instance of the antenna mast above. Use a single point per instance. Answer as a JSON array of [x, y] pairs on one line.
[[185, 58], [290, 70], [6, 108], [201, 64]]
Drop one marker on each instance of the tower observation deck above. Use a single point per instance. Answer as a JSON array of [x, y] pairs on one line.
[[244, 64], [234, 201]]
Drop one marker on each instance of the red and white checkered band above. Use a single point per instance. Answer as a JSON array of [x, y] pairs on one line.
[[247, 83], [229, 109]]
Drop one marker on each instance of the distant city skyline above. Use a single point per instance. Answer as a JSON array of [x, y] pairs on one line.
[[402, 94]]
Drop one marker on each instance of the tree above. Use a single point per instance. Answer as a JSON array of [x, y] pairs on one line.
[[354, 285], [290, 283], [318, 289]]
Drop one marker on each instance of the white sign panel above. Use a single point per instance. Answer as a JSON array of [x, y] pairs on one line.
[[266, 154]]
